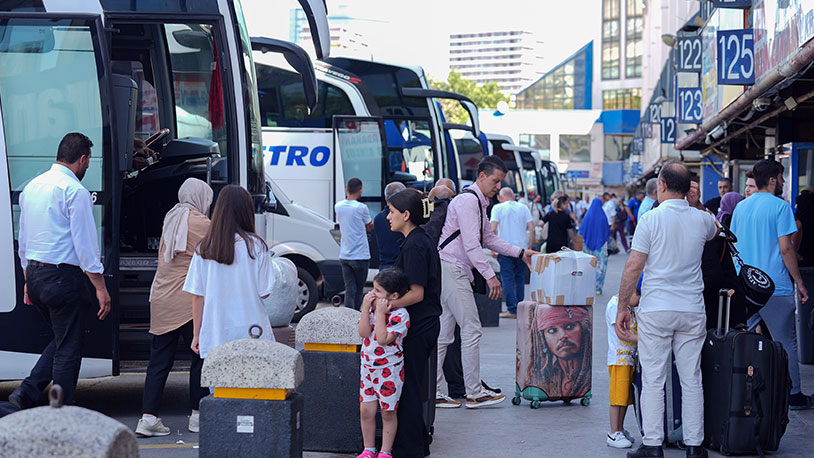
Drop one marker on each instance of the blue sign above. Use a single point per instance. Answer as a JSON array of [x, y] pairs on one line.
[[668, 130], [732, 3], [578, 174], [736, 56], [690, 105], [297, 155], [654, 113], [688, 58]]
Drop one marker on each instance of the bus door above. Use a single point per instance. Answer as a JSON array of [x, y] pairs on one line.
[[360, 143], [529, 174], [54, 80]]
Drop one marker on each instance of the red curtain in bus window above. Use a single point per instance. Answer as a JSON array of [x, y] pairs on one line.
[[216, 114]]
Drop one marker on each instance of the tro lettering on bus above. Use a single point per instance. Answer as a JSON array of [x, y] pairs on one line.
[[296, 155]]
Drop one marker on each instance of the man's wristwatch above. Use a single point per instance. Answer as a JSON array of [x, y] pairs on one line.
[[522, 252]]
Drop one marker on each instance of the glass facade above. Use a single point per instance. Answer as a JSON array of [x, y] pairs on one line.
[[617, 147], [633, 38], [540, 142], [566, 87], [611, 39], [622, 99], [575, 148]]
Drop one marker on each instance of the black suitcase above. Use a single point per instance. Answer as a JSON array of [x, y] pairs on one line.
[[673, 432], [746, 389]]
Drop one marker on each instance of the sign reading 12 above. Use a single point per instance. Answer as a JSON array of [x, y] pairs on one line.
[[690, 105], [668, 130], [736, 57]]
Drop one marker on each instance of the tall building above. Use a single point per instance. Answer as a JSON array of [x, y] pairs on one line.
[[510, 58], [618, 64], [568, 86]]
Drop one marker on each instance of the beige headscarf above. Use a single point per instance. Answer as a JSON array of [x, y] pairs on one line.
[[193, 195]]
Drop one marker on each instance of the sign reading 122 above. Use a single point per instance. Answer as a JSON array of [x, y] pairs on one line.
[[736, 57], [690, 105]]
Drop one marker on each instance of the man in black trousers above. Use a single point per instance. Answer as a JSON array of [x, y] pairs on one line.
[[59, 254]]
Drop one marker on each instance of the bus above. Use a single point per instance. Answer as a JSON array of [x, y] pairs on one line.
[[178, 75], [374, 121]]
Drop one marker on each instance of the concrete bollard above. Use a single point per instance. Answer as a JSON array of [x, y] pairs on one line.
[[65, 432], [254, 410], [330, 344]]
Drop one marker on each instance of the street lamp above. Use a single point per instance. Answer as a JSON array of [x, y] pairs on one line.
[[562, 167], [669, 39]]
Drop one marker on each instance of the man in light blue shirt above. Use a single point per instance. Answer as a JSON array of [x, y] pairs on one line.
[[651, 188], [764, 224], [354, 252]]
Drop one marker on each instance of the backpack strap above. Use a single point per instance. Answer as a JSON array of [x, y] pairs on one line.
[[458, 232]]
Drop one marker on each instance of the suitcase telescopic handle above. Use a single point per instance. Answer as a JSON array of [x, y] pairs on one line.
[[724, 293]]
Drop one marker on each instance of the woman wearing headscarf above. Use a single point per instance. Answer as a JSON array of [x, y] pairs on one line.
[[718, 269], [185, 225], [596, 232]]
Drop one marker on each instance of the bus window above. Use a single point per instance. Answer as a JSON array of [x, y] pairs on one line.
[[360, 143], [418, 155], [282, 100], [45, 93], [470, 153]]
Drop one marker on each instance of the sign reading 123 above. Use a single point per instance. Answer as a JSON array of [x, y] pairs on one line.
[[736, 57], [690, 105]]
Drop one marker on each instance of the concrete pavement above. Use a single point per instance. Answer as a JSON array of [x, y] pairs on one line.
[[555, 429]]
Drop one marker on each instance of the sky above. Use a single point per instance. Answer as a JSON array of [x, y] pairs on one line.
[[416, 32]]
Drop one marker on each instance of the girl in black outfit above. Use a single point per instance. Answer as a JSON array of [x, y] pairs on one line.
[[560, 226], [418, 258]]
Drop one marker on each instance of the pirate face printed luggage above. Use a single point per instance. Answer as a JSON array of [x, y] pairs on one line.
[[554, 350], [673, 431], [746, 389]]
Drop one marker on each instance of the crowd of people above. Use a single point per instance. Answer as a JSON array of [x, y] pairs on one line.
[[433, 261]]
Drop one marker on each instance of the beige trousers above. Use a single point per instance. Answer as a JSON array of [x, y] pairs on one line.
[[458, 304], [683, 334]]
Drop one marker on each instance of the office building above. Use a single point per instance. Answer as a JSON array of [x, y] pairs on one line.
[[509, 58]]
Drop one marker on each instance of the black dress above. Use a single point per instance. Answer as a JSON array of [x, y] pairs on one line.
[[418, 258], [558, 225]]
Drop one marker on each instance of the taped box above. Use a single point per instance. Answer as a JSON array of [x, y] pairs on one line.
[[563, 278]]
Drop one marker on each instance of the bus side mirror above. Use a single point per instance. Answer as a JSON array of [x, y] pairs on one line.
[[125, 97], [297, 58], [472, 109]]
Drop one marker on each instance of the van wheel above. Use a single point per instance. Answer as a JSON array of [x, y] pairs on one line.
[[307, 294]]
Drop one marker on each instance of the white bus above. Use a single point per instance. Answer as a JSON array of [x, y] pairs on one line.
[[178, 74]]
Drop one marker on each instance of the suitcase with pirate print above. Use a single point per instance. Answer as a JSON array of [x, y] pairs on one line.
[[746, 389], [554, 351]]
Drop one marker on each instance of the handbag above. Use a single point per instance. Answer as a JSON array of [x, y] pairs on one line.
[[479, 285], [757, 285]]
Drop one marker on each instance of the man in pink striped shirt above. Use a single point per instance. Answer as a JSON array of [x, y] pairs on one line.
[[466, 232]]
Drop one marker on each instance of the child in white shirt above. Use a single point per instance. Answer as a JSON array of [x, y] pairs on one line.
[[621, 355]]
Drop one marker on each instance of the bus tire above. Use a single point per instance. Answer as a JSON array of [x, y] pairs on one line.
[[307, 294]]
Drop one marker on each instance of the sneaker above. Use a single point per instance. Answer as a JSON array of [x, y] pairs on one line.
[[18, 401], [508, 315], [443, 401], [194, 424], [385, 455], [800, 401], [618, 440], [489, 389], [368, 454], [629, 436], [147, 429], [484, 399]]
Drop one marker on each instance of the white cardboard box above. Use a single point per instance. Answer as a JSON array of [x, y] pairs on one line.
[[563, 278]]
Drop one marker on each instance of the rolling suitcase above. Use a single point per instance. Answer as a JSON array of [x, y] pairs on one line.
[[746, 389], [673, 433], [547, 334]]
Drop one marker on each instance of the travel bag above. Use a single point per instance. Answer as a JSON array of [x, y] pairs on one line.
[[673, 432], [746, 388], [554, 348]]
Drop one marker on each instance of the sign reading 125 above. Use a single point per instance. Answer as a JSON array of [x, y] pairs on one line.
[[690, 105], [736, 57]]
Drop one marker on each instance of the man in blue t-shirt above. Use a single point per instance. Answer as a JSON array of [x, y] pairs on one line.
[[764, 224]]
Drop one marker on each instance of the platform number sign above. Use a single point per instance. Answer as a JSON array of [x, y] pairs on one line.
[[668, 130], [690, 105], [736, 57], [654, 113], [732, 3], [689, 54]]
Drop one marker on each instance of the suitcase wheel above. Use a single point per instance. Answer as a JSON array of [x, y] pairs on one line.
[[585, 402], [516, 400], [535, 404], [566, 401]]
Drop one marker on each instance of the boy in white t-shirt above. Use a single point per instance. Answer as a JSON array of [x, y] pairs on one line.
[[621, 356]]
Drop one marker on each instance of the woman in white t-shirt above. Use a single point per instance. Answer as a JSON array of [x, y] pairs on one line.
[[229, 275]]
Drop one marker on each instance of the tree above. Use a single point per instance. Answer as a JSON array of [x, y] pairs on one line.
[[486, 95]]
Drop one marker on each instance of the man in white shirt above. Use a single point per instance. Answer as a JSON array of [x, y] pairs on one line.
[[582, 207], [511, 221], [60, 259], [668, 245], [354, 252]]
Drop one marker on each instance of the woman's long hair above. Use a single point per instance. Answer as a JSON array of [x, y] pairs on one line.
[[411, 200], [233, 215]]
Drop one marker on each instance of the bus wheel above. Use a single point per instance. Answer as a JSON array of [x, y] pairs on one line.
[[307, 294]]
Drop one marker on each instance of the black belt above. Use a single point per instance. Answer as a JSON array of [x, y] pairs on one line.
[[34, 263]]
